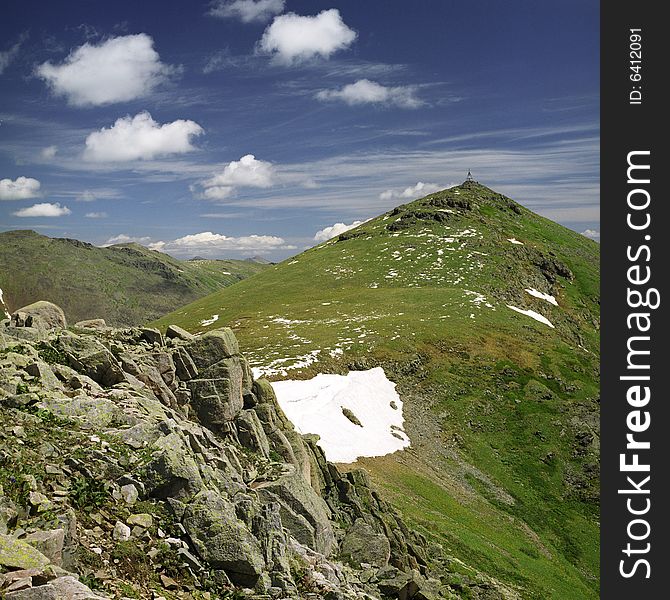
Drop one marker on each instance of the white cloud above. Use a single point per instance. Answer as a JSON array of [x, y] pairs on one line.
[[44, 209], [334, 230], [365, 91], [21, 188], [122, 238], [591, 233], [206, 243], [96, 215], [117, 70], [293, 39], [247, 11], [140, 138], [246, 172], [414, 191], [49, 152]]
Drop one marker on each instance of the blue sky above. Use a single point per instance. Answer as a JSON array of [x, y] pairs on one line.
[[235, 128]]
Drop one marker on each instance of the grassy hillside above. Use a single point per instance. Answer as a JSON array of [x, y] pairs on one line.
[[502, 409], [125, 284]]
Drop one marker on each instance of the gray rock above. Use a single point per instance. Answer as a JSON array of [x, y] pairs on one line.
[[184, 365], [69, 588], [151, 335], [129, 493], [216, 401], [49, 543], [251, 434], [212, 346], [143, 520], [17, 554], [43, 372], [222, 540], [43, 592], [96, 324], [121, 532], [362, 544], [177, 333], [172, 472], [40, 315], [303, 512], [89, 357]]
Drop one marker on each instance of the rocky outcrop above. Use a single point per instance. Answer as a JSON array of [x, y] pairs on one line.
[[40, 315], [151, 461]]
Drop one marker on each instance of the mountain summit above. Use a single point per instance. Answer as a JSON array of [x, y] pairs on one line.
[[486, 317]]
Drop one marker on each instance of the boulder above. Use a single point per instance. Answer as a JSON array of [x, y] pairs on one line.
[[17, 554], [43, 592], [95, 324], [174, 332], [304, 513], [121, 532], [72, 589], [151, 335], [184, 365], [143, 520], [362, 544], [212, 346], [222, 540], [49, 543], [40, 315], [172, 471], [216, 401], [90, 357]]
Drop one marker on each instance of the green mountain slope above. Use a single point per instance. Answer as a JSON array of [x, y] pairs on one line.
[[126, 284], [502, 408]]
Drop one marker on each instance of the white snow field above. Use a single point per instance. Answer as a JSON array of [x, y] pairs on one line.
[[315, 406], [206, 322], [548, 297], [533, 315]]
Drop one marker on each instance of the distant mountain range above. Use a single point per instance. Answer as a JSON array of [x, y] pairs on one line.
[[127, 284]]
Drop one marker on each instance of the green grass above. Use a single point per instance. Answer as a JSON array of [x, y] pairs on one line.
[[500, 473], [124, 284]]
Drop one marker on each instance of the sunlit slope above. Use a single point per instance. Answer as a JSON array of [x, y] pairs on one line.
[[486, 316], [126, 284]]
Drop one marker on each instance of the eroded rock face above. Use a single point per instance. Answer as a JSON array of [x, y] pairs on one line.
[[128, 427]]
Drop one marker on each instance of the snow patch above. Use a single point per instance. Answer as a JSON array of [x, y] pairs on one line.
[[3, 306], [515, 241], [279, 366], [213, 319], [548, 297], [315, 406], [532, 314]]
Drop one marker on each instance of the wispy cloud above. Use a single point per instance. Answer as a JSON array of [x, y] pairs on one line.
[[8, 56], [247, 11], [414, 191], [365, 91]]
